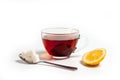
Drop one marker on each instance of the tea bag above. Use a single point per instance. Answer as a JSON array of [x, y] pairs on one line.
[[62, 50]]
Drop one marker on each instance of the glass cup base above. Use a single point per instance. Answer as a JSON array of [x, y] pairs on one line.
[[59, 58]]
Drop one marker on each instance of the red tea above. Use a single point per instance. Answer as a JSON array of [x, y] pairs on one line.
[[60, 48]]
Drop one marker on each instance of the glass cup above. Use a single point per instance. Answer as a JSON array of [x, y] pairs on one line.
[[60, 42]]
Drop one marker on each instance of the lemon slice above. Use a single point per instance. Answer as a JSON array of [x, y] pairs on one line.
[[94, 57]]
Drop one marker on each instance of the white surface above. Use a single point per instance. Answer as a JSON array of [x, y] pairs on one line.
[[22, 20]]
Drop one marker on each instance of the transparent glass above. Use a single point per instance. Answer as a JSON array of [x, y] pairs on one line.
[[60, 42]]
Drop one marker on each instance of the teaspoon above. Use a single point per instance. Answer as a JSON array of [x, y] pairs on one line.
[[58, 65]]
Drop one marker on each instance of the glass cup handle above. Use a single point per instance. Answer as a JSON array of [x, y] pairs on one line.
[[82, 43]]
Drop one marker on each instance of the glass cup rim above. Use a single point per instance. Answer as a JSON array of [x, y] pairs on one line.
[[76, 31]]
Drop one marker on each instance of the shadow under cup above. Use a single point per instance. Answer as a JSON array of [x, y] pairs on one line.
[[60, 42]]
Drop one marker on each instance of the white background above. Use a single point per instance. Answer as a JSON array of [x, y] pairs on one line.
[[22, 20]]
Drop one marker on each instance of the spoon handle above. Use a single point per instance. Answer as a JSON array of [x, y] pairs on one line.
[[62, 66]]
